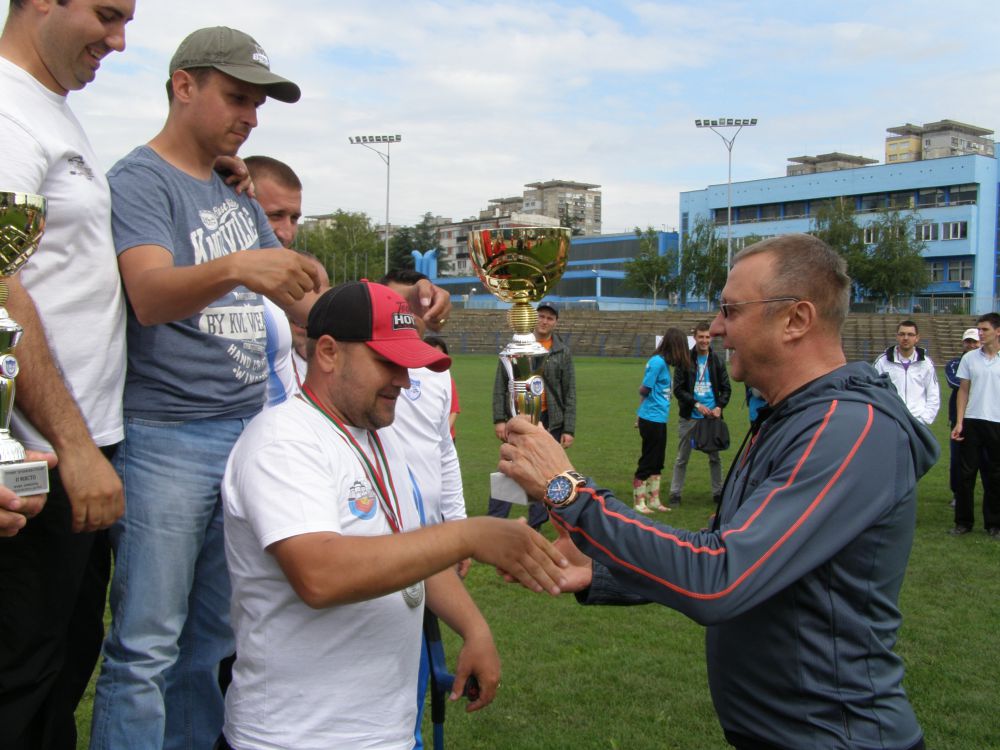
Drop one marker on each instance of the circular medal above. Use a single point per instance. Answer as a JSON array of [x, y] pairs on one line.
[[413, 595]]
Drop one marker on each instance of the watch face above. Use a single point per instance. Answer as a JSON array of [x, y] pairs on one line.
[[559, 489]]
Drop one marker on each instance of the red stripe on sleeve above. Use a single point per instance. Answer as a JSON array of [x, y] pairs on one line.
[[763, 558]]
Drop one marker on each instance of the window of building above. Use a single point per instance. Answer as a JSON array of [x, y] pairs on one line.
[[926, 231], [795, 210], [770, 212], [963, 194], [871, 235], [955, 230], [930, 197], [684, 222], [937, 270], [901, 200], [720, 216], [872, 202], [960, 270]]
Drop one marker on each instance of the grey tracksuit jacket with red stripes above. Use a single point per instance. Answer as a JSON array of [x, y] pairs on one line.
[[799, 583]]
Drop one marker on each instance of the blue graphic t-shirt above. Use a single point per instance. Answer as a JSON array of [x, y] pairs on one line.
[[212, 364], [656, 406], [703, 393]]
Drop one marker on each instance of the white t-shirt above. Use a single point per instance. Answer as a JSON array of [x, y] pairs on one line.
[[300, 367], [281, 382], [984, 390], [312, 679], [73, 276], [421, 423]]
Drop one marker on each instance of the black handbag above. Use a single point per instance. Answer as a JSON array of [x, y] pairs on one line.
[[710, 435]]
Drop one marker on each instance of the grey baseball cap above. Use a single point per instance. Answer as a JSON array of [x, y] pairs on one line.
[[236, 54]]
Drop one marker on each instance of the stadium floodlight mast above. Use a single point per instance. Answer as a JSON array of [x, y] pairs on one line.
[[367, 141], [739, 124]]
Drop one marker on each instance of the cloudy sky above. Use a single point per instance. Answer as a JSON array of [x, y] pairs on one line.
[[489, 96]]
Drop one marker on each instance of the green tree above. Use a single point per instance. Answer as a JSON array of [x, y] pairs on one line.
[[704, 258], [650, 272], [891, 266], [422, 237], [836, 225], [572, 220], [346, 243], [894, 266]]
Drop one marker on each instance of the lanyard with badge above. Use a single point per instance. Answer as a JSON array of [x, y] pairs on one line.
[[377, 473]]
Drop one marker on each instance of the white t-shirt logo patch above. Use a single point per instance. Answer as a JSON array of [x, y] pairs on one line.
[[361, 500], [413, 392]]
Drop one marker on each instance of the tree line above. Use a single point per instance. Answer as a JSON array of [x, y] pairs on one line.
[[349, 245], [884, 257]]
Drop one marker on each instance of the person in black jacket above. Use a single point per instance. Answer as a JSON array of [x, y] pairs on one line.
[[702, 392]]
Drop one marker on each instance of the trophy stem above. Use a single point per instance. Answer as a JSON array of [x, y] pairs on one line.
[[522, 317]]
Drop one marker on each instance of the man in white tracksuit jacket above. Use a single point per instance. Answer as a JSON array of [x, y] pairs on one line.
[[912, 373]]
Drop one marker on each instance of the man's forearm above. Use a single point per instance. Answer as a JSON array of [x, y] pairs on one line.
[[962, 401], [165, 293], [448, 598], [327, 568]]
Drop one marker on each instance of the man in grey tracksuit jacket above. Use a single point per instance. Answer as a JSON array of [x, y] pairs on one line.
[[798, 578], [798, 582]]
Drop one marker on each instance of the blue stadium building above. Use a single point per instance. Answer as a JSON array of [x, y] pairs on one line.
[[954, 198]]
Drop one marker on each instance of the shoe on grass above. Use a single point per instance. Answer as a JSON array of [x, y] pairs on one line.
[[674, 500], [959, 530], [994, 532]]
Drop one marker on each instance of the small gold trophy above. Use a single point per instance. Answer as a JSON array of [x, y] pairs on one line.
[[520, 265], [22, 222]]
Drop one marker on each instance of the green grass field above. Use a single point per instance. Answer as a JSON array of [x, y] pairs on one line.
[[634, 677]]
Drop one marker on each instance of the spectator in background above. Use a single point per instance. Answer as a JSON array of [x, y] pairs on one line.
[[558, 401], [970, 341], [424, 430], [702, 392], [912, 373], [977, 427], [279, 192], [652, 418], [755, 402], [456, 409]]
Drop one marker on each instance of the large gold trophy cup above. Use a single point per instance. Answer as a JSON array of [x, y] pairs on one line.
[[520, 265], [22, 221]]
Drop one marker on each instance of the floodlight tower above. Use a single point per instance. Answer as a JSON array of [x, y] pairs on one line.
[[739, 124], [388, 140]]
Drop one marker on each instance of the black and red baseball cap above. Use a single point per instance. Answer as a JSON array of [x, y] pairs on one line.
[[362, 311]]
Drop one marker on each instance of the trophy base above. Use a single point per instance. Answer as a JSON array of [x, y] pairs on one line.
[[25, 478], [502, 487]]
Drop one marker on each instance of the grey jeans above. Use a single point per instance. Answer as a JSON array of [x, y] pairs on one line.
[[684, 453]]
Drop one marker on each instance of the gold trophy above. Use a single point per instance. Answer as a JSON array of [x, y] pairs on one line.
[[22, 221], [520, 265]]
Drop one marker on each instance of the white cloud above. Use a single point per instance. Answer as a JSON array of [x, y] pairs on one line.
[[490, 96]]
